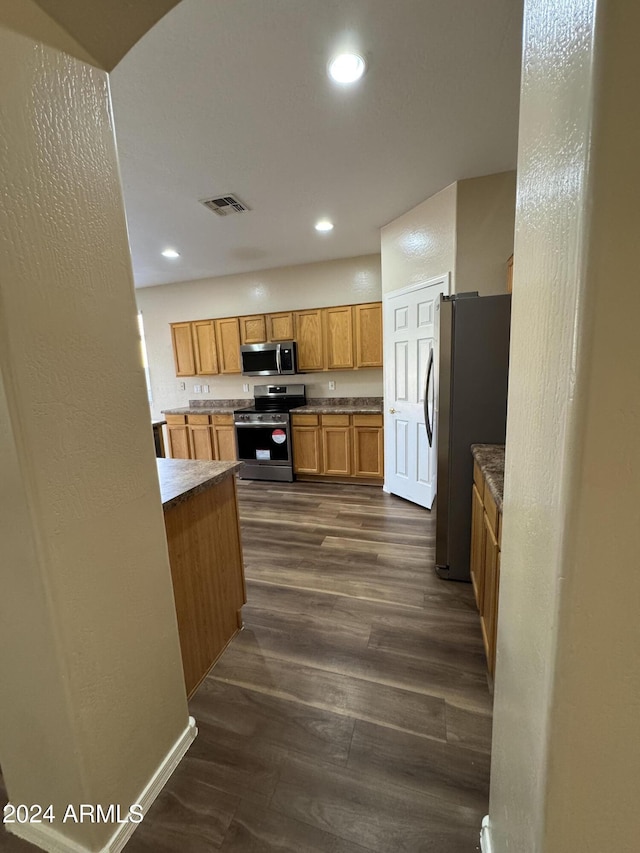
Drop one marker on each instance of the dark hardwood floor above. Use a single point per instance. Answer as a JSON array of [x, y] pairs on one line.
[[352, 712]]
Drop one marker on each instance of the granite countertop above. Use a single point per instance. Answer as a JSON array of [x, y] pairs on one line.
[[180, 479], [157, 423], [315, 406], [210, 407], [341, 406], [490, 458]]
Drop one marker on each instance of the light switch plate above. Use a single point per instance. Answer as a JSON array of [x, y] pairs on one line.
[[332, 386], [205, 389], [197, 389], [245, 387], [183, 386]]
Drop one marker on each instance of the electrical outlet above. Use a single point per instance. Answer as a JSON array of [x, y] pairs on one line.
[[183, 386], [332, 386], [205, 389], [245, 387], [197, 389]]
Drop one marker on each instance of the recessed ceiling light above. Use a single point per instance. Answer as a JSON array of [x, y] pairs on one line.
[[324, 225], [170, 253], [347, 67]]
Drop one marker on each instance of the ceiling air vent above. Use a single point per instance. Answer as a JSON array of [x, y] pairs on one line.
[[225, 205]]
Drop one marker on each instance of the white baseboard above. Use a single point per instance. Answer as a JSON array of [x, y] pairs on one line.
[[485, 836], [51, 840]]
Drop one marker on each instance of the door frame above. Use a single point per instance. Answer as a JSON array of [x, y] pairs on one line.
[[444, 279]]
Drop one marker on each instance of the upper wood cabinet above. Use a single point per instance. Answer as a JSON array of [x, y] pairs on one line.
[[309, 327], [228, 341], [341, 337], [280, 326], [368, 334], [339, 331], [253, 329], [204, 346], [183, 349]]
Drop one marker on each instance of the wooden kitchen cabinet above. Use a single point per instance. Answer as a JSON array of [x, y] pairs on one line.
[[253, 329], [307, 449], [309, 327], [338, 446], [368, 450], [224, 437], [486, 523], [368, 334], [204, 347], [280, 327], [228, 343], [179, 445], [338, 324], [342, 337], [200, 443], [183, 354], [205, 437]]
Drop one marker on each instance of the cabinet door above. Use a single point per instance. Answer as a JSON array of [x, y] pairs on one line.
[[201, 445], [307, 457], [477, 546], [225, 443], [339, 331], [368, 334], [204, 346], [183, 349], [253, 330], [178, 437], [336, 451], [280, 326], [228, 341], [310, 339], [488, 613], [368, 460]]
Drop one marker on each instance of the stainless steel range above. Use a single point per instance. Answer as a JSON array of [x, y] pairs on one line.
[[263, 433]]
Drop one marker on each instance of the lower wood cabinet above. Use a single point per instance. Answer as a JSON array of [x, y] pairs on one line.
[[204, 437], [486, 523], [338, 446]]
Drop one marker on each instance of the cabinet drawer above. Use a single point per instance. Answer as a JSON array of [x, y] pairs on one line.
[[335, 420], [367, 420], [491, 510], [175, 419], [221, 419], [198, 420], [305, 420]]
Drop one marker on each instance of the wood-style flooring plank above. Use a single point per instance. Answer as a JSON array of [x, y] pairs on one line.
[[371, 811]]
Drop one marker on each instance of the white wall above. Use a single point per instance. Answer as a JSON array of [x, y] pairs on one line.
[[421, 244], [319, 285], [566, 752], [92, 694], [486, 210]]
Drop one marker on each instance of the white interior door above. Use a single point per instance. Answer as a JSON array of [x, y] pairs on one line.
[[410, 338]]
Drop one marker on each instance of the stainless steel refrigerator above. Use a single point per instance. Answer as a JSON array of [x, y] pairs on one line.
[[473, 377]]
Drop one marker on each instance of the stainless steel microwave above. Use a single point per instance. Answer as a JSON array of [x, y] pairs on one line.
[[269, 359]]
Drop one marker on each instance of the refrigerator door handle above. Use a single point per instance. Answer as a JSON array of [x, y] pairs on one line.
[[427, 419]]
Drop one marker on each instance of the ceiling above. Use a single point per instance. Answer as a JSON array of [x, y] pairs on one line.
[[233, 96]]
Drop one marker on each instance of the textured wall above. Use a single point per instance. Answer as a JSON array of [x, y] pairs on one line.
[[92, 695], [350, 280], [566, 756], [421, 244], [486, 211]]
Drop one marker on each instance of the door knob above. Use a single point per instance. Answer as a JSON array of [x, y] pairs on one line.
[[392, 411]]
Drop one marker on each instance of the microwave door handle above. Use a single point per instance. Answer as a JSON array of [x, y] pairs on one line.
[[278, 359], [427, 419]]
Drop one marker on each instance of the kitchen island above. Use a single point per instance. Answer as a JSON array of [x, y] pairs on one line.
[[205, 553]]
